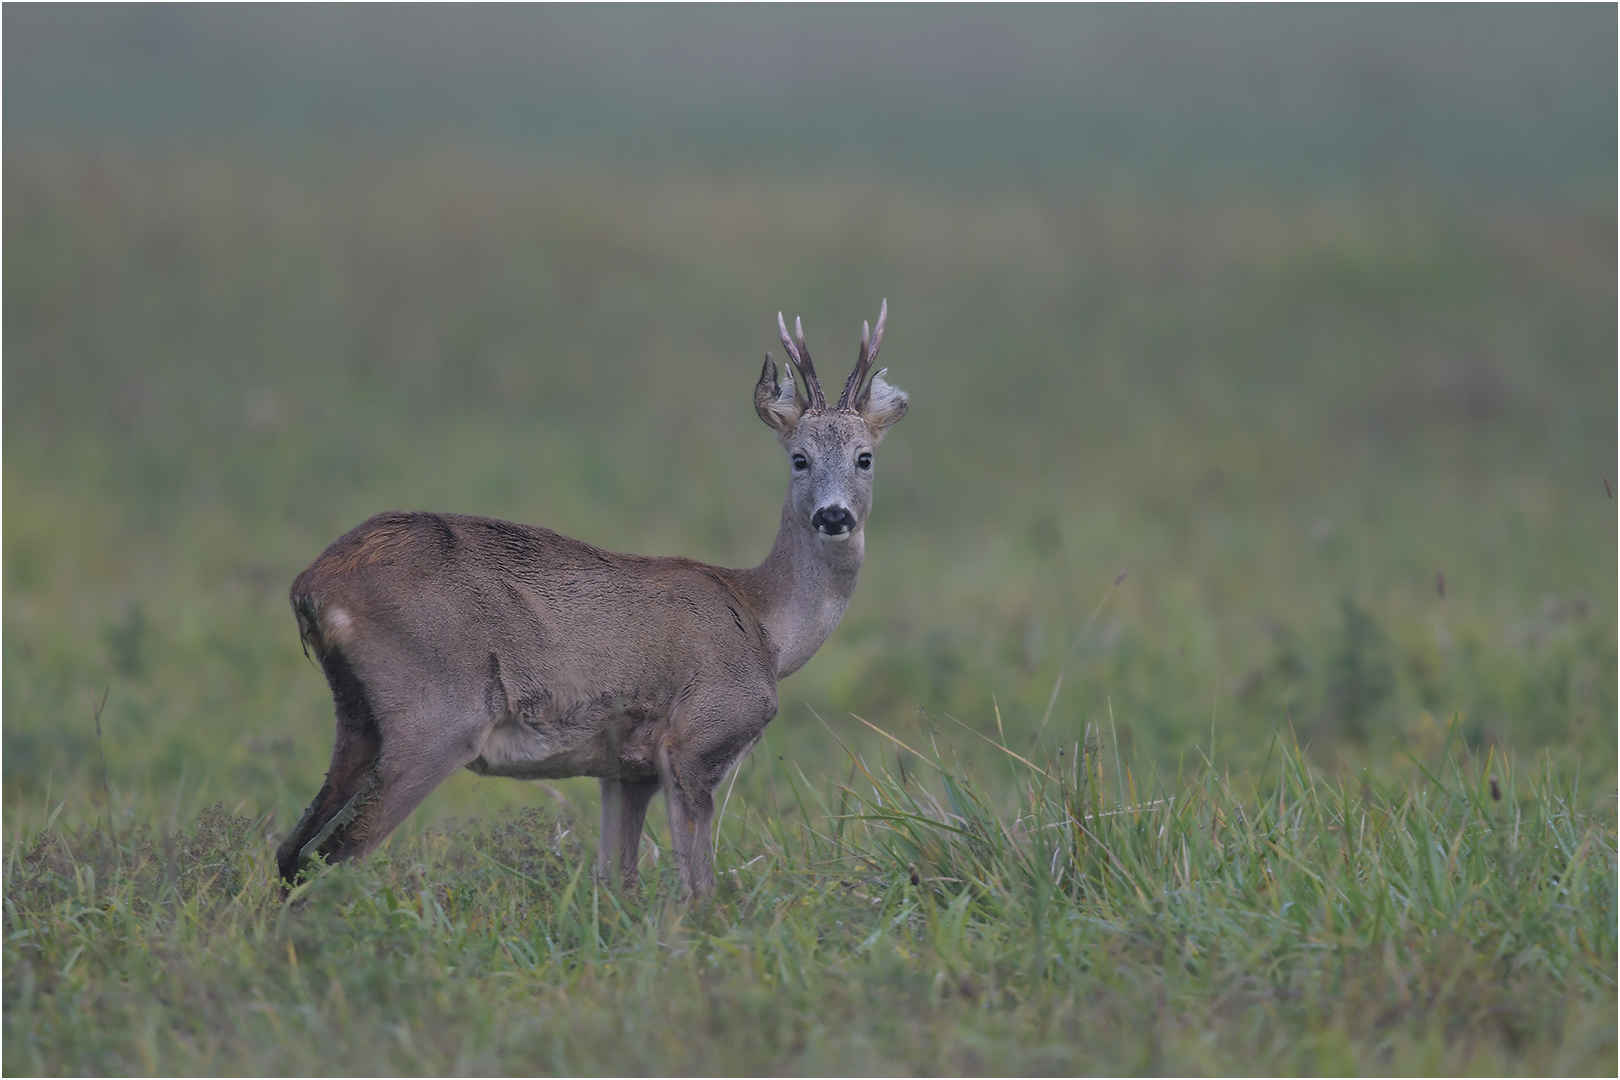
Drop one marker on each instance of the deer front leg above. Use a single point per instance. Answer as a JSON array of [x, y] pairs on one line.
[[713, 729], [691, 815], [624, 812]]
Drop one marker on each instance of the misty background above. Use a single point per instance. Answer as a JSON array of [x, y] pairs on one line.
[[1302, 319], [1482, 100]]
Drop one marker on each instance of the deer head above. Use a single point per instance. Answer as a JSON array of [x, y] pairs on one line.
[[830, 449]]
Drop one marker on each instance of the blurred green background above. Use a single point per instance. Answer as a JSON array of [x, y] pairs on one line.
[[1303, 319]]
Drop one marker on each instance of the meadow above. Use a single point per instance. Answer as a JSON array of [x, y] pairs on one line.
[[1230, 687], [1281, 423]]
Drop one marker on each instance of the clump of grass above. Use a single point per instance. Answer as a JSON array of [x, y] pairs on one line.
[[1475, 852]]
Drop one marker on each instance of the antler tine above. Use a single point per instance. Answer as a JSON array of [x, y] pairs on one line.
[[787, 342], [870, 342], [863, 362], [793, 363], [799, 353]]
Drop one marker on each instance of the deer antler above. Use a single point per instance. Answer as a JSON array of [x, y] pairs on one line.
[[870, 342], [800, 358]]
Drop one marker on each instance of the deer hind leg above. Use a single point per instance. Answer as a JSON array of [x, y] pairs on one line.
[[382, 768], [350, 783], [410, 767], [351, 821], [624, 814]]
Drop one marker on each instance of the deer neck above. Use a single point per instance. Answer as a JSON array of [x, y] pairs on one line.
[[801, 589]]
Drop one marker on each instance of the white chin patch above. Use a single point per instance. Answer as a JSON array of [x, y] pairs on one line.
[[835, 538]]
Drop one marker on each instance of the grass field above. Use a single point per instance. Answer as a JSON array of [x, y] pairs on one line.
[[893, 923], [1231, 685]]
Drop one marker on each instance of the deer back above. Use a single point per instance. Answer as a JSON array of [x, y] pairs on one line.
[[536, 626]]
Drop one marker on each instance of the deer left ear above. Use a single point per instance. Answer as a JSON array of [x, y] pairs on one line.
[[775, 401], [881, 405]]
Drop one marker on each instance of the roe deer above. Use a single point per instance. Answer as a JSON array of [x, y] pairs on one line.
[[453, 641]]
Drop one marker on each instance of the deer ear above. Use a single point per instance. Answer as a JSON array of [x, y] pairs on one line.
[[880, 405], [774, 401]]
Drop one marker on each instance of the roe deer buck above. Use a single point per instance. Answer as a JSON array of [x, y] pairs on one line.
[[453, 641]]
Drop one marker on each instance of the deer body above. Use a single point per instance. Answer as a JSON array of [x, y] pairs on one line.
[[452, 641]]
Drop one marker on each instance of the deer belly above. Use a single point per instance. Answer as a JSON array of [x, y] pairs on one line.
[[605, 743]]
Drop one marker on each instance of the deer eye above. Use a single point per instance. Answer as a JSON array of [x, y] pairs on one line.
[[863, 460], [800, 463]]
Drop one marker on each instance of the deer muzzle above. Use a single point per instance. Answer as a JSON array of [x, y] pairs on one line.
[[834, 522]]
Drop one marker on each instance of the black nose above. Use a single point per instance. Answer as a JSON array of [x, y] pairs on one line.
[[833, 520]]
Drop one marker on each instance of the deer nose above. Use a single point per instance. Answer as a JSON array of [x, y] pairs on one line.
[[833, 521]]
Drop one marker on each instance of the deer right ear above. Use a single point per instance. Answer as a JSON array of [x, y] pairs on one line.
[[774, 401], [880, 405]]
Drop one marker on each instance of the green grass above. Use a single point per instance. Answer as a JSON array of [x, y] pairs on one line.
[[897, 922], [1281, 418]]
